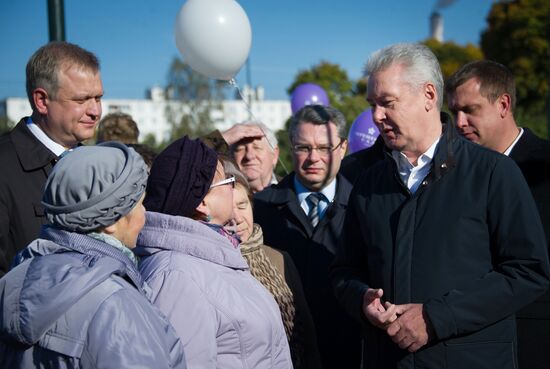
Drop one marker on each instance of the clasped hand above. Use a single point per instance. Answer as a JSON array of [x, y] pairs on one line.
[[406, 324]]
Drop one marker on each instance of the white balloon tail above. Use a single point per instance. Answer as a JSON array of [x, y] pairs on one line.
[[233, 82]]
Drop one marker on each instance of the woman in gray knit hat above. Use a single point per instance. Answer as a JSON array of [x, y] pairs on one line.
[[74, 297]]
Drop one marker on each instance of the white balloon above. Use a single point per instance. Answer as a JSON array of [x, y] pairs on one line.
[[213, 36]]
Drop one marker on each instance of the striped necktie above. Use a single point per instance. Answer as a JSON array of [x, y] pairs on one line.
[[313, 215]]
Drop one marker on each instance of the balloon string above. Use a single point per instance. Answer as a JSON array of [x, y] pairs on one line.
[[233, 83]]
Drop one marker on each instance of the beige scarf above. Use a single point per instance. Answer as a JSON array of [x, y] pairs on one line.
[[264, 270]]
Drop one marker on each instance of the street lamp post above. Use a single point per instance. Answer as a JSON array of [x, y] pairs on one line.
[[56, 19]]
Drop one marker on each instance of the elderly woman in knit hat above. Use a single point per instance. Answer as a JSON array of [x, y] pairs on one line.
[[276, 271], [74, 297], [225, 317]]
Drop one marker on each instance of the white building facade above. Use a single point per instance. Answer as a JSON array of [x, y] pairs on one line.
[[151, 113]]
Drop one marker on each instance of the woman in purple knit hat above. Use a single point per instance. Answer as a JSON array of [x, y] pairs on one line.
[[224, 316]]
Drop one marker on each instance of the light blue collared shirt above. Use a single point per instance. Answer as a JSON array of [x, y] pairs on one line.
[[411, 175], [328, 196]]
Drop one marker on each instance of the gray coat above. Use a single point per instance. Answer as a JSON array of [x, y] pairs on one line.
[[75, 302], [224, 316]]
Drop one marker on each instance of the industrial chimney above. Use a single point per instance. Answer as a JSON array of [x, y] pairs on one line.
[[436, 26]]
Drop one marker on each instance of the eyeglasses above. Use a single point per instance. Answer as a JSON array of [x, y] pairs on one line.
[[230, 180], [322, 150]]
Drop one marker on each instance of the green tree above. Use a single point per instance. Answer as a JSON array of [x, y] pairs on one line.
[[344, 94], [5, 124], [284, 151], [452, 56], [192, 97], [517, 36]]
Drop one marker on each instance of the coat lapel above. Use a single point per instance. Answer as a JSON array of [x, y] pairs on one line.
[[286, 200], [31, 152]]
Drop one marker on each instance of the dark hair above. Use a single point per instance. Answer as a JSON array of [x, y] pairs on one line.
[[318, 114], [146, 152], [494, 78], [118, 127], [44, 65]]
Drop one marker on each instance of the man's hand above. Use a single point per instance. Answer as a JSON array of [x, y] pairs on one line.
[[411, 330], [377, 314], [241, 131]]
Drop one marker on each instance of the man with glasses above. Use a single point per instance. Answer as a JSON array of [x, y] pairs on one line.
[[304, 215]]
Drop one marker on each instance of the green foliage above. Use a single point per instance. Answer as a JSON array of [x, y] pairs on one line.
[[535, 120], [200, 95], [452, 56], [344, 94], [285, 155], [517, 36], [5, 125]]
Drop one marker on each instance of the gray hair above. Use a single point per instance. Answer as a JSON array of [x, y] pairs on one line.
[[421, 65], [318, 114], [44, 65], [269, 135]]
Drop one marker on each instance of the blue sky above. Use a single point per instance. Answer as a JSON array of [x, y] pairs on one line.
[[135, 43]]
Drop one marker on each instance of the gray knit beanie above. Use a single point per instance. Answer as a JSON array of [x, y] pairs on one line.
[[94, 186]]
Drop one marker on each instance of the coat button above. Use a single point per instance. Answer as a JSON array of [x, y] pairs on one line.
[[444, 166], [424, 183]]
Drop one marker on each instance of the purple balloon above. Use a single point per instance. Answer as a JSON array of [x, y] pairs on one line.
[[307, 94], [363, 132]]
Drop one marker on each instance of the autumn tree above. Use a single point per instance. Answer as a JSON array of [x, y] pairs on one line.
[[452, 56], [517, 36], [192, 97], [344, 94], [5, 124]]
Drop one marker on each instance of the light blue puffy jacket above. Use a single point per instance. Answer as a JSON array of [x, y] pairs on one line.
[[81, 305]]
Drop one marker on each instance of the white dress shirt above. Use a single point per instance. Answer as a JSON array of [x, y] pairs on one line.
[[412, 176]]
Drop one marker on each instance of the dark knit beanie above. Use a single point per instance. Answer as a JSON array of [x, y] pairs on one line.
[[180, 177]]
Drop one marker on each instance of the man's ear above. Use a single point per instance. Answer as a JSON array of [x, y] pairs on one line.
[[504, 105], [275, 156], [40, 99], [344, 146], [430, 94]]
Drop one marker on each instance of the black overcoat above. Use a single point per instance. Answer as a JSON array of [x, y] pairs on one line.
[[286, 227], [532, 155], [469, 245], [25, 164]]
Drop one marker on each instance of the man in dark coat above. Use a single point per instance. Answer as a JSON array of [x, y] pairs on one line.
[[354, 164], [442, 242], [304, 215], [482, 97], [64, 89]]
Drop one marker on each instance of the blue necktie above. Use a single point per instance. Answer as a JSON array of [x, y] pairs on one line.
[[313, 215]]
